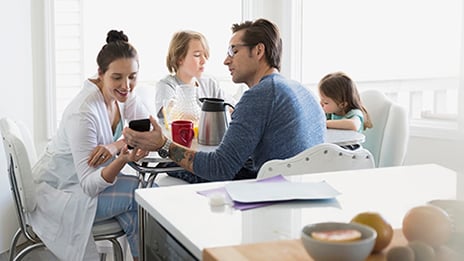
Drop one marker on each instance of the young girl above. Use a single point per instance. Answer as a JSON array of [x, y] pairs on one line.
[[342, 104]]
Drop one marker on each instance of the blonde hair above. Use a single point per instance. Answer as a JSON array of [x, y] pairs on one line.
[[178, 48]]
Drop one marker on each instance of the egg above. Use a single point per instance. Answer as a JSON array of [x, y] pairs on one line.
[[422, 251], [400, 253], [427, 223]]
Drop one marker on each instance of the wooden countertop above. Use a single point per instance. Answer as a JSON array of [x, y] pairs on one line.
[[293, 250], [281, 250]]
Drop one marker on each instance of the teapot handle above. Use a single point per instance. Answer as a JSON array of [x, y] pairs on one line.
[[228, 104]]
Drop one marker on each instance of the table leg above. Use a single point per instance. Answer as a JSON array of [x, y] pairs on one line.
[[141, 217]]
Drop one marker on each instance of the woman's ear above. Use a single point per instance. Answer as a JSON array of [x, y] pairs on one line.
[[100, 76]]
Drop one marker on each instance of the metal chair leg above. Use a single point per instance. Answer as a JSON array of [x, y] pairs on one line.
[[117, 250], [27, 249], [150, 181], [14, 241]]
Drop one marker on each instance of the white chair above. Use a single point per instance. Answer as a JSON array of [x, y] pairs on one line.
[[388, 139], [20, 156], [319, 158]]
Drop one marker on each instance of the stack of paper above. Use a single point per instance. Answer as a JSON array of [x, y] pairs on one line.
[[257, 193]]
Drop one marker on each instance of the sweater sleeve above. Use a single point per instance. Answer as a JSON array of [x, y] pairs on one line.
[[243, 135], [82, 131]]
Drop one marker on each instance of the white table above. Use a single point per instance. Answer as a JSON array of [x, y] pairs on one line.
[[336, 136], [344, 137], [178, 221]]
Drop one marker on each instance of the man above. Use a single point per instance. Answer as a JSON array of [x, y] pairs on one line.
[[275, 118]]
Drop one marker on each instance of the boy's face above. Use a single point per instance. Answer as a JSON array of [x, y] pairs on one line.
[[193, 65]]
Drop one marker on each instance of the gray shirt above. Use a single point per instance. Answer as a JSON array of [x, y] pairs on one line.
[[275, 119], [166, 90]]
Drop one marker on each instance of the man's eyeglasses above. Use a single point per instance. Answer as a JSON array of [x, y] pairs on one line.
[[231, 51]]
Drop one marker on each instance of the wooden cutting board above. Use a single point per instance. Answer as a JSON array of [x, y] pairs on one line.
[[281, 250]]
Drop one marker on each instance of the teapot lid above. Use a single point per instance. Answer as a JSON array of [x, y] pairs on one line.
[[212, 104]]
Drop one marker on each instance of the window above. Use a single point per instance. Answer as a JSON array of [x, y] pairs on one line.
[[410, 50], [68, 55], [80, 29]]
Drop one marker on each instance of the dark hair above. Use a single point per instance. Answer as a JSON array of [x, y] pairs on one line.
[[117, 46], [179, 45], [265, 32], [342, 90]]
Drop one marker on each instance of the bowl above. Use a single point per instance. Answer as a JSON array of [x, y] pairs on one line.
[[455, 210], [357, 250]]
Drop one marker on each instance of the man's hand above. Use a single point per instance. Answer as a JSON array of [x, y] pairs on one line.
[[145, 140]]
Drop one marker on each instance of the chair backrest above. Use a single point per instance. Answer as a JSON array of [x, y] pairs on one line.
[[388, 139], [320, 158], [20, 154]]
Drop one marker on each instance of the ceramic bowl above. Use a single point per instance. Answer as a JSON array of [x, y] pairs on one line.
[[357, 250]]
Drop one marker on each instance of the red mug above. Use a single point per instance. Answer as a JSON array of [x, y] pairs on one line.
[[182, 132]]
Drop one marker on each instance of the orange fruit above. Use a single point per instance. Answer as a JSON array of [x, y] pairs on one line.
[[380, 225], [427, 223]]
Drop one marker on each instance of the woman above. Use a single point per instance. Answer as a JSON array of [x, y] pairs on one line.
[[186, 59], [78, 177]]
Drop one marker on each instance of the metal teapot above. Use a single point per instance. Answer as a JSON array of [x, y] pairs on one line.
[[213, 121]]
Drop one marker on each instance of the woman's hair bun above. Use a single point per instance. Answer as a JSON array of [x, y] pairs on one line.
[[115, 35]]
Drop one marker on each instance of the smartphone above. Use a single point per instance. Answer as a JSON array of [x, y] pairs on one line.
[[139, 125]]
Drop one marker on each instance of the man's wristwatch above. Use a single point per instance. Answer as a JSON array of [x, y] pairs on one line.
[[164, 151]]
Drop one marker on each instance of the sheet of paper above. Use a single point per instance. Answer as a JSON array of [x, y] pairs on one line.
[[320, 190], [239, 205], [252, 192]]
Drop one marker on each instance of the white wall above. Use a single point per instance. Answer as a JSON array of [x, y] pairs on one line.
[[440, 151], [17, 94]]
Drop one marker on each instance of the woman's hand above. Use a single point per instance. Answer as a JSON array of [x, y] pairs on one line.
[[99, 155], [132, 155], [102, 153], [110, 172]]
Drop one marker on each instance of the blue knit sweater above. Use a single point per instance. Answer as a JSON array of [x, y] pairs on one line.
[[275, 119]]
